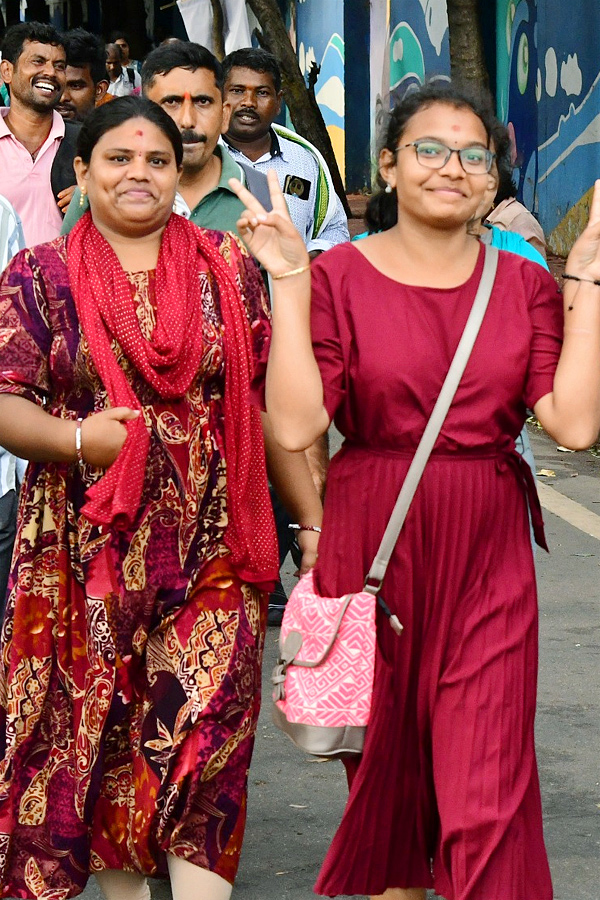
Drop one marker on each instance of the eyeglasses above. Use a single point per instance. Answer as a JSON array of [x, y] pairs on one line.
[[435, 155]]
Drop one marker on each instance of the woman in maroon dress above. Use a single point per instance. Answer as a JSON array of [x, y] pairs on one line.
[[446, 794], [131, 648]]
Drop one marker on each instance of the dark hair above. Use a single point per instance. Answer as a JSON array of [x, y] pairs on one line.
[[118, 50], [84, 49], [382, 208], [180, 55], [16, 35], [118, 36], [255, 59], [110, 115], [503, 150]]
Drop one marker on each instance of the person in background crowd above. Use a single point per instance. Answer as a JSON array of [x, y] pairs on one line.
[[509, 214], [446, 794], [122, 81], [12, 468], [253, 92], [120, 38], [36, 147], [510, 241], [86, 79], [137, 606], [186, 80]]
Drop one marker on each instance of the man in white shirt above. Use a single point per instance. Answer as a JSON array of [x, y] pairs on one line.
[[253, 91], [123, 81]]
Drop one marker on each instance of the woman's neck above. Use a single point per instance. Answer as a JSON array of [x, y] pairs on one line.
[[419, 254], [136, 253]]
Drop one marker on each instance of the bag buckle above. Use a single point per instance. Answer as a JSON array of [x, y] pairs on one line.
[[372, 585]]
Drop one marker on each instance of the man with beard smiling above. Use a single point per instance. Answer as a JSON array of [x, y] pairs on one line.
[[31, 131]]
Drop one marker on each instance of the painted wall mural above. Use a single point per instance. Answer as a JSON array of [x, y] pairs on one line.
[[320, 36], [408, 42], [418, 44], [549, 93]]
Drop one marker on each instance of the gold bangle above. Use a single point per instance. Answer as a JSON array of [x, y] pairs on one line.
[[292, 272], [78, 447]]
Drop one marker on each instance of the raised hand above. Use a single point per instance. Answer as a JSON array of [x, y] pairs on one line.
[[270, 236], [584, 259], [103, 435]]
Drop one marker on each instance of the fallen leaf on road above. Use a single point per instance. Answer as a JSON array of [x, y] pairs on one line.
[[283, 873], [546, 473]]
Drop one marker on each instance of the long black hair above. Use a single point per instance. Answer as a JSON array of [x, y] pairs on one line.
[[110, 115], [382, 208]]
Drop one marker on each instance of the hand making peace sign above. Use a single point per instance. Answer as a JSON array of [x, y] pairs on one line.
[[270, 236]]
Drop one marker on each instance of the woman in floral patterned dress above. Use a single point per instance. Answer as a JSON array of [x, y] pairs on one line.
[[131, 648]]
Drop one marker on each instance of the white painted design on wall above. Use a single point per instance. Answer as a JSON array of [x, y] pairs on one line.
[[332, 95], [571, 79], [436, 21], [551, 72]]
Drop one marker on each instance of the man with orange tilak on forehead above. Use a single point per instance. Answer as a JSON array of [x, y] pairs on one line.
[[186, 80]]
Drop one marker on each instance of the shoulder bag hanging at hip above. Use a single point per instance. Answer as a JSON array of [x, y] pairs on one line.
[[324, 676]]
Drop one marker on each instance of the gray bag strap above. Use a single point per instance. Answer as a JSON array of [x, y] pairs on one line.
[[461, 357]]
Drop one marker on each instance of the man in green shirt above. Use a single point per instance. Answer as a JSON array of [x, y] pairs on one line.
[[186, 80]]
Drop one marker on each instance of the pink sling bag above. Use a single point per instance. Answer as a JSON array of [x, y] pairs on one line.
[[323, 680]]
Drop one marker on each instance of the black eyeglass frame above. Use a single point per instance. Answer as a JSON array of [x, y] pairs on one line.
[[489, 155]]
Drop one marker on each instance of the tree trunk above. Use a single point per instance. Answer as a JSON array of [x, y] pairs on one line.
[[217, 29], [304, 109], [467, 59]]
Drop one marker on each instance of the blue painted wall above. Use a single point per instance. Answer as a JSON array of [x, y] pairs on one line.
[[370, 52], [548, 82]]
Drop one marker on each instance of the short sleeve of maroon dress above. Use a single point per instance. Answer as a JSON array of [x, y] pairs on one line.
[[546, 315], [329, 335]]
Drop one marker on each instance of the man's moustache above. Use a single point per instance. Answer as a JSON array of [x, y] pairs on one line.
[[192, 137]]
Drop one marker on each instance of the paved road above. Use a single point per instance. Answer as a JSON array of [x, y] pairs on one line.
[[295, 801]]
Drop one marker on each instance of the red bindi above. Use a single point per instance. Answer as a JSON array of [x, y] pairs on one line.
[[139, 134], [187, 96]]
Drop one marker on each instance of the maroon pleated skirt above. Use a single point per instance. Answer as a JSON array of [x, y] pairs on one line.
[[446, 794]]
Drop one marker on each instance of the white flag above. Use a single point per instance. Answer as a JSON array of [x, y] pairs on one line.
[[198, 19]]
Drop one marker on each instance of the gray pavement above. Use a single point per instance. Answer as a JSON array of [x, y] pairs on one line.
[[296, 801]]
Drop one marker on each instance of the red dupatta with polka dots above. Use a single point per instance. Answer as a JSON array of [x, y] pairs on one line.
[[169, 361]]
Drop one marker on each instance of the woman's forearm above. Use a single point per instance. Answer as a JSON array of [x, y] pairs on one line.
[[571, 413], [294, 390], [290, 476], [31, 433]]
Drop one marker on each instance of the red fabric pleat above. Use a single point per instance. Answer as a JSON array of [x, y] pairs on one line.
[[169, 361]]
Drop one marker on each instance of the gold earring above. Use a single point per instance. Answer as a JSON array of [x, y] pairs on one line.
[[82, 198]]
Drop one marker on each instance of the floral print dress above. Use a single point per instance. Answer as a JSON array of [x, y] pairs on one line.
[[130, 660]]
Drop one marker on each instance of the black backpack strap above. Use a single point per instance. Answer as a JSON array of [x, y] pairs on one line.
[[62, 174], [257, 184], [131, 76]]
